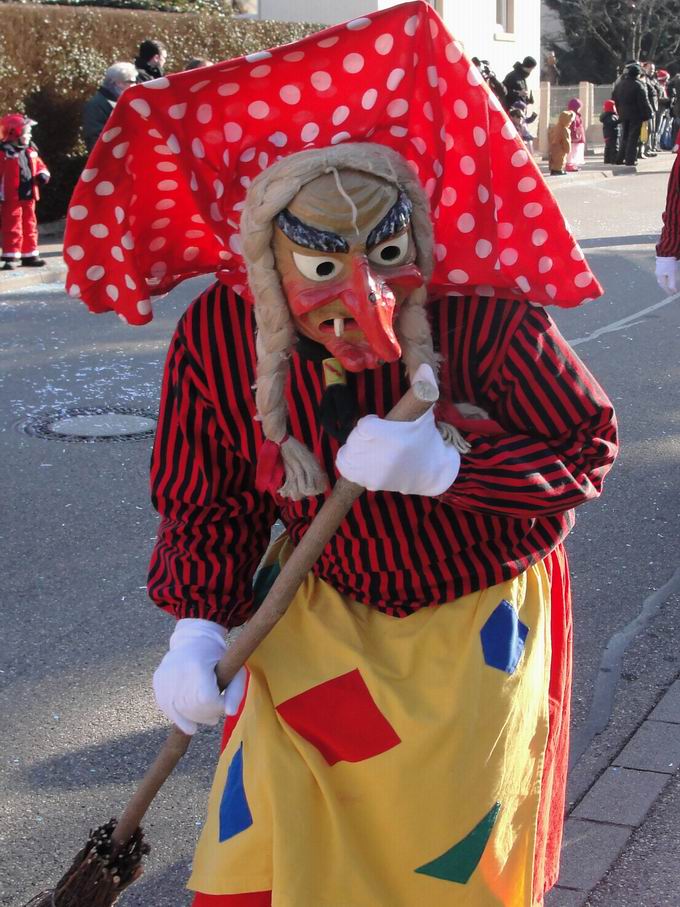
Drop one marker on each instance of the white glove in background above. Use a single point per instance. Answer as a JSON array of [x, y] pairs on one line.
[[667, 274], [185, 683], [406, 457]]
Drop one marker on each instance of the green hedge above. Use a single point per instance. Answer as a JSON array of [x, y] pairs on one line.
[[52, 58]]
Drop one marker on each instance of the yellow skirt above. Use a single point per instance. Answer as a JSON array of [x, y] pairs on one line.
[[387, 762]]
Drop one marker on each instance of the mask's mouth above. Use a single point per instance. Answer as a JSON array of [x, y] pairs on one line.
[[338, 326]]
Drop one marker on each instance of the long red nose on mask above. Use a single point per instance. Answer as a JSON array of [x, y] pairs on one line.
[[371, 303]]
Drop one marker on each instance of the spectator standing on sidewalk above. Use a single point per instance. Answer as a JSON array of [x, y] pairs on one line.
[[610, 131], [559, 139], [632, 103], [651, 84], [22, 172], [150, 60], [551, 73], [577, 153], [99, 107], [516, 83]]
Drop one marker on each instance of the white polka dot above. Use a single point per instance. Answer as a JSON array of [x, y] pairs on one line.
[[162, 149], [498, 202], [467, 165], [460, 109], [551, 290], [258, 110], [279, 139], [259, 72], [509, 256], [166, 167], [123, 318], [533, 209], [483, 194], [458, 276], [432, 76], [544, 264], [453, 52], [440, 252], [232, 132], [96, 272], [466, 223], [479, 136], [399, 132], [294, 57], [583, 279], [263, 160], [215, 213], [155, 134], [411, 26], [384, 44], [397, 108], [157, 243], [226, 90], [177, 111], [144, 307], [161, 223], [193, 183], [75, 252], [508, 131], [101, 231], [204, 113], [448, 141], [128, 241], [88, 175], [369, 99], [577, 253], [419, 144], [235, 243], [129, 283], [190, 253], [395, 78], [248, 155], [484, 290], [437, 168], [519, 158], [523, 284], [329, 42], [104, 188], [358, 24], [449, 196], [156, 84], [430, 186], [504, 230], [168, 185], [340, 137], [194, 234], [538, 237], [321, 80], [526, 184], [74, 290], [494, 103], [158, 269], [164, 204], [340, 114], [427, 110], [257, 56], [197, 148], [112, 291], [110, 134], [290, 94], [353, 63], [224, 255], [442, 86], [141, 106], [483, 248], [117, 253], [474, 76], [173, 144]]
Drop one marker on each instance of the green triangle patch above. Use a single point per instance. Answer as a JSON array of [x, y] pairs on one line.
[[460, 861]]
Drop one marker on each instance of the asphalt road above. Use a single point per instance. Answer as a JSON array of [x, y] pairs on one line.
[[80, 640]]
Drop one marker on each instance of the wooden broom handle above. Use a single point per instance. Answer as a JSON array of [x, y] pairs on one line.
[[416, 401]]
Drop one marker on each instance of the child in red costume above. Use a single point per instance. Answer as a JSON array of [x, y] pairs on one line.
[[22, 172]]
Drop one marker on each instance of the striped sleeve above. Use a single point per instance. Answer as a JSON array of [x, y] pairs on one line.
[[669, 241], [559, 438], [214, 525]]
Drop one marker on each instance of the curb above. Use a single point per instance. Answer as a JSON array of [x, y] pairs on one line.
[[15, 280]]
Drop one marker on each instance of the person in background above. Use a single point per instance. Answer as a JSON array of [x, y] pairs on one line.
[[577, 153], [610, 131], [22, 172], [98, 108], [550, 73], [651, 83], [519, 120], [197, 63], [491, 79], [559, 143], [150, 60], [632, 103], [516, 83]]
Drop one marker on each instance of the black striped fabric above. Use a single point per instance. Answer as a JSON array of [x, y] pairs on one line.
[[509, 506], [669, 241]]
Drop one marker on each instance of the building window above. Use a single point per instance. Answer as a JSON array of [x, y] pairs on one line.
[[505, 16]]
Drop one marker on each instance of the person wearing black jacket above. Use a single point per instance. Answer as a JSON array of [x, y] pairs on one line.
[[150, 60], [516, 83], [632, 103]]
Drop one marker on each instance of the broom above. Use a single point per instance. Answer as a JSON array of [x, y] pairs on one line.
[[111, 860]]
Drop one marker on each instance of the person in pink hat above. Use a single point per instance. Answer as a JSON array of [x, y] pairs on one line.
[[373, 219]]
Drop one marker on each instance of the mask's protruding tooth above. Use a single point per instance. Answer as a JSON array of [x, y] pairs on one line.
[[339, 326]]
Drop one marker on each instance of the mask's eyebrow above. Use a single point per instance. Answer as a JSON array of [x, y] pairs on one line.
[[309, 237], [398, 217]]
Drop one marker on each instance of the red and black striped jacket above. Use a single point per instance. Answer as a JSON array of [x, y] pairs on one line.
[[509, 506], [669, 241]]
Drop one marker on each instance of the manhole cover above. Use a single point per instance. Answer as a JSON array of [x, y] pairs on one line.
[[115, 423]]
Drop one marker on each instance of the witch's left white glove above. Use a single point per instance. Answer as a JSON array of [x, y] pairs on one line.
[[407, 457]]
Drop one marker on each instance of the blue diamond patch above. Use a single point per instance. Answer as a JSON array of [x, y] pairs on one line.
[[503, 637]]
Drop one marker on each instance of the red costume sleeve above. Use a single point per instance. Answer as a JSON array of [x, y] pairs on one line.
[[214, 525], [669, 242], [559, 430]]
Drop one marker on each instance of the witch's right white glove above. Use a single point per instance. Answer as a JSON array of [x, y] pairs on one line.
[[185, 683], [667, 273]]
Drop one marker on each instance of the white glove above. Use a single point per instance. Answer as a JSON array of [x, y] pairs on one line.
[[185, 683], [667, 273], [407, 457]]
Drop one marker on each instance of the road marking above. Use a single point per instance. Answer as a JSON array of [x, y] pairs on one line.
[[623, 322]]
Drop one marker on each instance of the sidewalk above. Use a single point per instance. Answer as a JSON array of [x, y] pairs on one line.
[[51, 238]]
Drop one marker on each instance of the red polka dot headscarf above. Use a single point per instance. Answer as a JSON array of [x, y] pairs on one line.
[[162, 195]]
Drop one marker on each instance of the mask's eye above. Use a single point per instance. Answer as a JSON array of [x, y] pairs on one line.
[[391, 252], [315, 268]]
